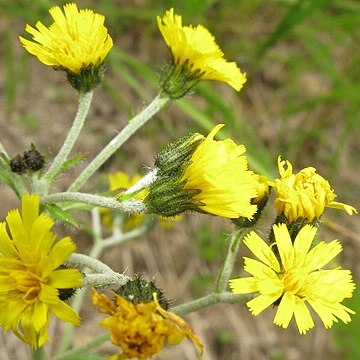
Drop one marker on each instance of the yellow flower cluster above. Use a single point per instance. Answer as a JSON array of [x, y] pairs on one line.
[[304, 195], [296, 280], [30, 274], [76, 39], [141, 330]]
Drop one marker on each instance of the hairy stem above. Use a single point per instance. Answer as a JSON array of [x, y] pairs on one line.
[[134, 124], [83, 108], [228, 264], [92, 344], [38, 354], [130, 206], [208, 300]]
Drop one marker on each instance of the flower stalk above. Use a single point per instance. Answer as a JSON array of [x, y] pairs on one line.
[[228, 264], [83, 109], [129, 206], [81, 260], [38, 354], [208, 300], [134, 124], [144, 182], [92, 344]]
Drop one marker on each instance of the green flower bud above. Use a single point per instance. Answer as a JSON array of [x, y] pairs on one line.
[[166, 195], [177, 80], [137, 290], [87, 79], [170, 160]]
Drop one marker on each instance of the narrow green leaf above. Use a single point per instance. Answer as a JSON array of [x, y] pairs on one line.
[[58, 213], [70, 163]]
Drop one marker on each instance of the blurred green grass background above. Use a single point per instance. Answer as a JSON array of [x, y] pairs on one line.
[[302, 98]]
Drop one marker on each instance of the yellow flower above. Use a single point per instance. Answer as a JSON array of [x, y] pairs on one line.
[[75, 41], [296, 280], [30, 275], [141, 330], [218, 170], [195, 48], [304, 195]]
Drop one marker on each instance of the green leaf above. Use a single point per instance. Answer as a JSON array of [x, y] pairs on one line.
[[70, 163], [6, 177], [58, 213]]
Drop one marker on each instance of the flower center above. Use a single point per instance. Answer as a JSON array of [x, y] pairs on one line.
[[27, 283], [295, 281]]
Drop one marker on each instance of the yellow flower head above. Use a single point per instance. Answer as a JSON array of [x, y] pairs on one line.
[[75, 41], [195, 48], [30, 277], [304, 195], [297, 280], [141, 330], [218, 170]]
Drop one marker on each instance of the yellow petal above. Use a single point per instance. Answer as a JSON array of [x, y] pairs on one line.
[[348, 208], [183, 326], [30, 210], [65, 313], [104, 303], [303, 317], [261, 250], [332, 285], [58, 255], [258, 269], [6, 244], [285, 246], [322, 254], [285, 310], [302, 243], [243, 285], [260, 303], [40, 316], [65, 278]]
